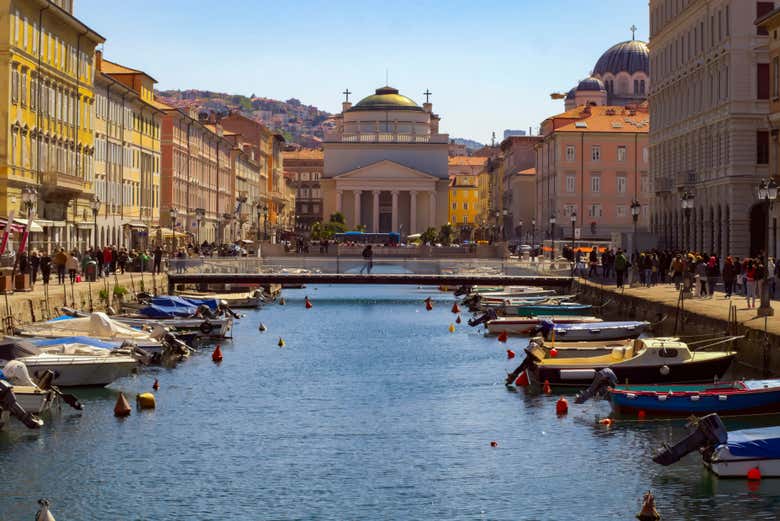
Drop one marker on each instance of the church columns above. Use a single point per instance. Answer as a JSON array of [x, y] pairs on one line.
[[412, 212], [339, 200], [432, 209], [394, 226], [375, 213], [356, 194]]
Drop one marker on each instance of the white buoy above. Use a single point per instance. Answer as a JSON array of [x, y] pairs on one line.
[[262, 327]]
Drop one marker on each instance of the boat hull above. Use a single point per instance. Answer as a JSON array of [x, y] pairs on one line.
[[727, 402], [77, 371], [726, 465], [531, 311], [529, 325], [596, 333], [218, 328]]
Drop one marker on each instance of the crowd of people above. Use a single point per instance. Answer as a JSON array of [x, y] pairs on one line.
[[697, 273]]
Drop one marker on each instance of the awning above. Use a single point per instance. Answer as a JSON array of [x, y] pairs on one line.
[[14, 227], [34, 227], [136, 224], [168, 233], [85, 225]]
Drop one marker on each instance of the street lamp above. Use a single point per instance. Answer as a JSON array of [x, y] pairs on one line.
[[635, 209], [687, 206], [520, 231], [173, 212], [533, 237], [29, 196], [552, 235], [767, 193], [200, 214], [95, 205], [573, 224], [503, 224], [265, 222]]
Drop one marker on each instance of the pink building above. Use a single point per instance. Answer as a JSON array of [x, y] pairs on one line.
[[593, 163]]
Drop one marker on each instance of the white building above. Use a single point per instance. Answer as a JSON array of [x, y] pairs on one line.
[[386, 165]]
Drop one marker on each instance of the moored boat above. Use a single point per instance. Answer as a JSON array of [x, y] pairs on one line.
[[530, 325], [558, 309], [246, 300], [587, 331]]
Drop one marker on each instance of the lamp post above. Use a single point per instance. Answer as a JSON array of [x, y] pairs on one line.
[[552, 236], [767, 193], [505, 212], [200, 214], [533, 237], [29, 196], [95, 205], [265, 222], [687, 205], [573, 224], [635, 209], [520, 231], [173, 213]]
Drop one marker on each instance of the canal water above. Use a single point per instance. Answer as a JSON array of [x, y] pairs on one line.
[[372, 410]]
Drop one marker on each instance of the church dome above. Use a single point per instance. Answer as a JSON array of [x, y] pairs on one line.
[[590, 84], [572, 92], [386, 98], [631, 57]]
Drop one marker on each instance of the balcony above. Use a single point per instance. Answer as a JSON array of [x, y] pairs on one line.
[[60, 182], [686, 179], [663, 184]]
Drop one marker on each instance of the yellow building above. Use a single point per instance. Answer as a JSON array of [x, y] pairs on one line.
[[127, 155], [465, 199], [46, 107]]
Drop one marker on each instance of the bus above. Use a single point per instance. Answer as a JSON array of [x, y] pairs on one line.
[[388, 238]]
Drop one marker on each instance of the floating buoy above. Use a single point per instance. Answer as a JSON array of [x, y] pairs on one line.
[[452, 328], [216, 356], [641, 415], [510, 354], [754, 474], [606, 421], [156, 385], [145, 401], [281, 342], [455, 308], [553, 352], [546, 389], [561, 406], [122, 407], [503, 336], [43, 513], [282, 302], [262, 327], [522, 380], [648, 511], [457, 319], [428, 304], [307, 302], [494, 444]]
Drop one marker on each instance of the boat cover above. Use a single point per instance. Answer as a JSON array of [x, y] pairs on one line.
[[550, 323], [85, 340], [173, 306], [755, 443], [96, 325]]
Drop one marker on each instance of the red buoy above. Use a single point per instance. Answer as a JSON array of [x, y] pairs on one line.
[[494, 444], [606, 421], [503, 336], [553, 352], [156, 384], [122, 407], [754, 474], [307, 302], [457, 319], [510, 354], [641, 415], [561, 406], [216, 356], [428, 304], [522, 380], [455, 308], [546, 387]]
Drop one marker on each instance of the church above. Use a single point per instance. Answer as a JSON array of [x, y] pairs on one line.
[[385, 165]]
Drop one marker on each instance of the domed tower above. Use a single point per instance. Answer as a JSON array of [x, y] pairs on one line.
[[625, 71], [570, 102], [590, 91]]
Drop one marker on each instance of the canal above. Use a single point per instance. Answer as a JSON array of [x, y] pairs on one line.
[[373, 409]]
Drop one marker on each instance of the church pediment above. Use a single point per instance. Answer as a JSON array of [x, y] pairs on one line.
[[386, 170]]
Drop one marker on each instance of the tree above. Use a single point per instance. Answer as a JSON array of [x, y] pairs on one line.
[[445, 234], [429, 236], [316, 231], [334, 226]]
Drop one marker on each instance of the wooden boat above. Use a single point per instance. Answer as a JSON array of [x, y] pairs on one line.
[[586, 331], [736, 454], [646, 361], [530, 325]]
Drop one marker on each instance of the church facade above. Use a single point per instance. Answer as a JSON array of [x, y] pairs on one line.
[[385, 165]]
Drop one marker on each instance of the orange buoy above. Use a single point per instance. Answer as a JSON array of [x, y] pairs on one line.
[[494, 444], [216, 356], [553, 352], [281, 342], [452, 328], [156, 385], [754, 474], [648, 511], [308, 302], [606, 421], [561, 406], [457, 319], [546, 387], [522, 380], [641, 415], [503, 336], [510, 354], [428, 304], [122, 407], [455, 308]]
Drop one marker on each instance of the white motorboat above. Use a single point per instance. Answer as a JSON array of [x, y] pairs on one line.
[[73, 364], [24, 403], [208, 328], [736, 454], [529, 325]]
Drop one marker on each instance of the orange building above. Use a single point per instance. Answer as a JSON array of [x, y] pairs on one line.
[[593, 163]]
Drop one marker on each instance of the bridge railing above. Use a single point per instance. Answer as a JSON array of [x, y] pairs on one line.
[[337, 265]]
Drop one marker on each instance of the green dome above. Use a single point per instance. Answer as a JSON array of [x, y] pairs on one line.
[[386, 98]]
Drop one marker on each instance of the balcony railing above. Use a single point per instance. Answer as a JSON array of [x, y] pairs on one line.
[[55, 180], [385, 137], [663, 184], [686, 178]]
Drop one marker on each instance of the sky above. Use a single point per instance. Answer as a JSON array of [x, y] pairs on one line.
[[490, 64]]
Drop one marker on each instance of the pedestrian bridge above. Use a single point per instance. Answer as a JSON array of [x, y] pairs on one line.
[[339, 270]]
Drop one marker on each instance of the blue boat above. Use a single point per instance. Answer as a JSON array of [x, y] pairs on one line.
[[173, 306], [535, 310], [587, 331]]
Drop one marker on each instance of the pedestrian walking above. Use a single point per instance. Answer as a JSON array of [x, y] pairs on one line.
[[368, 255], [60, 259], [621, 265]]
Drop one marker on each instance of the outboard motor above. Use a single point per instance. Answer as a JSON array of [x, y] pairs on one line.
[[604, 379], [463, 290], [224, 308], [203, 311], [45, 383], [710, 432], [545, 327], [9, 403], [144, 297], [487, 316], [472, 302], [175, 345], [530, 359]]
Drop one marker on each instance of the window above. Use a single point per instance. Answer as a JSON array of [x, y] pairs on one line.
[[762, 80], [762, 147], [621, 153], [620, 210], [14, 83], [23, 90], [775, 77], [763, 8], [621, 184], [454, 206], [595, 183], [595, 152], [465, 219], [594, 210], [569, 209], [570, 184], [570, 153], [465, 206], [644, 183]]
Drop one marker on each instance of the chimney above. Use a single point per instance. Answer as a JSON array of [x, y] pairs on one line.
[[98, 60]]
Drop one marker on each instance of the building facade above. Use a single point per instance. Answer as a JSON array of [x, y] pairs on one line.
[[464, 204], [304, 170], [710, 135], [593, 163], [385, 165], [47, 111], [519, 153]]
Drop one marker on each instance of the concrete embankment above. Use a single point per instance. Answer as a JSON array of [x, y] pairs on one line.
[[696, 317]]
